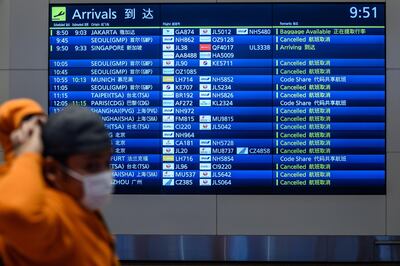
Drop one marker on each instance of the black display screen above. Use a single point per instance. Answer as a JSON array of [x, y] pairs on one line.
[[229, 98]]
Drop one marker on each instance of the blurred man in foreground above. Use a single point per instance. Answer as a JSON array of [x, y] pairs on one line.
[[55, 220], [13, 115]]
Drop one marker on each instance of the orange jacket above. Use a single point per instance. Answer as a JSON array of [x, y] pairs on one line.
[[40, 225], [43, 226], [11, 115]]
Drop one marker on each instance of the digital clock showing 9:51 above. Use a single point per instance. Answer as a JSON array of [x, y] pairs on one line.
[[363, 12]]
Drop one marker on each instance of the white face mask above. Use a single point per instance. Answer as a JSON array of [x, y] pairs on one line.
[[97, 188]]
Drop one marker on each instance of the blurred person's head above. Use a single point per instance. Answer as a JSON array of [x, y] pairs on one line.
[[77, 152], [13, 115]]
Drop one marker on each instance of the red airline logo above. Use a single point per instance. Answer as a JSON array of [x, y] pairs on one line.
[[205, 47]]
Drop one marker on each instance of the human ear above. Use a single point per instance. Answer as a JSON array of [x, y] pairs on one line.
[[52, 171]]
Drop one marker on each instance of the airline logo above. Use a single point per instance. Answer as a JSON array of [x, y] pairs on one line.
[[168, 110], [205, 166], [205, 126], [168, 182], [168, 71], [168, 142], [205, 32], [205, 158], [205, 55], [205, 94], [168, 166], [205, 142], [169, 78], [168, 102], [205, 78], [205, 47], [168, 118], [242, 150], [168, 126], [205, 87], [205, 182], [168, 134], [205, 150], [205, 118], [168, 63], [168, 174], [168, 158], [168, 94], [168, 55], [205, 174], [205, 63], [168, 150], [168, 39], [168, 47], [205, 39], [168, 32], [168, 87], [242, 31], [205, 103]]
